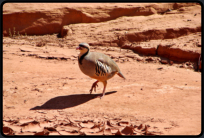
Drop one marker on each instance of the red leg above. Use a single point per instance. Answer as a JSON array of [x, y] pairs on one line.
[[94, 86], [104, 83]]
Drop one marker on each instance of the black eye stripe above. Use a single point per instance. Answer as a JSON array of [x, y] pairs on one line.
[[83, 46]]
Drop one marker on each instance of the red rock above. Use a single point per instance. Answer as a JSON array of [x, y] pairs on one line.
[[177, 54], [149, 59], [164, 61], [139, 59], [171, 62], [65, 31], [33, 20], [127, 130]]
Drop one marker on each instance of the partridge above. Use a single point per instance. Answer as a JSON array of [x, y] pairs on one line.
[[97, 66]]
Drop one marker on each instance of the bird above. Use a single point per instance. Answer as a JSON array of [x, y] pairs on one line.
[[97, 66]]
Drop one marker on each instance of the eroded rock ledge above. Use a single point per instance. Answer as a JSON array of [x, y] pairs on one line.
[[167, 30], [44, 18]]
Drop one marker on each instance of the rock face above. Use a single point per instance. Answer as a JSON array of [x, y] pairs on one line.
[[36, 21], [148, 51], [32, 20], [145, 28], [177, 54]]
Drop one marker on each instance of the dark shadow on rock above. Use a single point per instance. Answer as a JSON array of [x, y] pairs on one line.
[[62, 102]]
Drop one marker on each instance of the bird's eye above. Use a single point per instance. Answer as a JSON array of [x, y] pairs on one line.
[[82, 46]]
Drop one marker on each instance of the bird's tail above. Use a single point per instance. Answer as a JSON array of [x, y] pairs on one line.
[[121, 75]]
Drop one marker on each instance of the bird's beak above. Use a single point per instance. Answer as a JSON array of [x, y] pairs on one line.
[[78, 48]]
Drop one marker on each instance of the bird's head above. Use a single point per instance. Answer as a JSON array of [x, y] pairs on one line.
[[83, 47]]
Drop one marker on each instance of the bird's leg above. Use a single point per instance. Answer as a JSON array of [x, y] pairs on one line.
[[94, 86], [104, 83]]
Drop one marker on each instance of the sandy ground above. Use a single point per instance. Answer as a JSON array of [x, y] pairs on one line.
[[165, 98]]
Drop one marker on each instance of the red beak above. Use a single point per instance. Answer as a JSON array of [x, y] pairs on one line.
[[78, 48]]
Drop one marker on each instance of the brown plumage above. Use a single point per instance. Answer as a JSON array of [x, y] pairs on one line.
[[97, 65]]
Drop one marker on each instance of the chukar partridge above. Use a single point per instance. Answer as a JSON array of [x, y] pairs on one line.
[[97, 65]]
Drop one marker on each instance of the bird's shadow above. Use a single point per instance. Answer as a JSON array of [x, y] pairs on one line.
[[62, 102]]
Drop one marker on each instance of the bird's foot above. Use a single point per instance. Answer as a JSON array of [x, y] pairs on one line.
[[94, 87], [100, 96]]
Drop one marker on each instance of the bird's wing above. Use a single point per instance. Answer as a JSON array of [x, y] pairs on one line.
[[102, 60], [102, 67], [106, 60]]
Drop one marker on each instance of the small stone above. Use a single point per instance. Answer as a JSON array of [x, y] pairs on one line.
[[130, 59], [164, 61], [130, 56], [121, 56], [116, 60], [199, 44], [149, 59], [139, 59], [160, 68], [113, 57], [183, 66], [188, 63], [171, 62], [40, 44], [65, 31]]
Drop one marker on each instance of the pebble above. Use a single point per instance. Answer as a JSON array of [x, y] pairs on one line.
[[164, 61], [149, 59], [139, 59], [171, 62]]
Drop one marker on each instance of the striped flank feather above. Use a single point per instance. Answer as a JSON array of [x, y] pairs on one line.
[[102, 69]]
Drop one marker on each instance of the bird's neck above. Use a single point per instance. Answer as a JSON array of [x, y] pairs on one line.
[[82, 55]]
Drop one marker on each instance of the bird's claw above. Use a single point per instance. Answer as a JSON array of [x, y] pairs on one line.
[[93, 87], [100, 96]]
